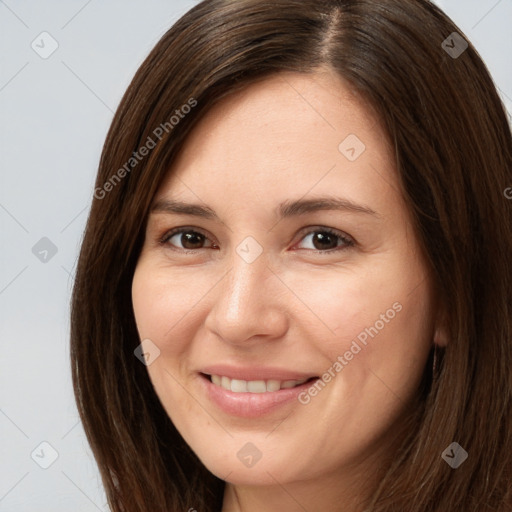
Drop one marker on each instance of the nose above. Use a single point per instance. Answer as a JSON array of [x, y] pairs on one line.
[[248, 304]]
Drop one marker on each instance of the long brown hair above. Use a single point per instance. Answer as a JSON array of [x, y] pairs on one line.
[[453, 149]]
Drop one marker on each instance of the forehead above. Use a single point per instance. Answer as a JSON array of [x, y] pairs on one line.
[[287, 135]]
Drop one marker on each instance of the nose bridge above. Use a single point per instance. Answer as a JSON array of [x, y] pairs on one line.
[[244, 304], [245, 287]]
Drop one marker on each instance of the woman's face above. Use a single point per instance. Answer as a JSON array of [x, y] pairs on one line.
[[281, 286]]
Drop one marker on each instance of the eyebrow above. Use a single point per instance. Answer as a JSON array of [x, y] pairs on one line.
[[284, 210]]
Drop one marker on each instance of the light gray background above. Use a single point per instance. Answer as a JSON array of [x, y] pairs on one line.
[[54, 115]]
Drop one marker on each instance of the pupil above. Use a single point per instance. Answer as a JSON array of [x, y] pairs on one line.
[[192, 240], [324, 241]]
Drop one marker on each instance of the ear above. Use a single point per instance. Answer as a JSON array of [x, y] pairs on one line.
[[441, 335]]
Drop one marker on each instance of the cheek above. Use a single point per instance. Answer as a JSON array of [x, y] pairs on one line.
[[169, 308], [375, 362], [362, 301], [165, 304], [373, 328]]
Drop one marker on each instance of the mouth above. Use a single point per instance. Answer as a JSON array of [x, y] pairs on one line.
[[257, 397], [255, 386]]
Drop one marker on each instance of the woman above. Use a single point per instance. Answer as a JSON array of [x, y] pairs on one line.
[[293, 292]]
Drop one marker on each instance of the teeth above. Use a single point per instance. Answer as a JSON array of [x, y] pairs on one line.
[[273, 385], [237, 386], [254, 386], [288, 384]]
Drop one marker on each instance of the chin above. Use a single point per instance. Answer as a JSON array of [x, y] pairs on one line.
[[241, 463]]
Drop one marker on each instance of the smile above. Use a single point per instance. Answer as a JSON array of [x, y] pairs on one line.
[[254, 386], [262, 392]]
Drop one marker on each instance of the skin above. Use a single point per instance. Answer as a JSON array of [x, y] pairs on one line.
[[297, 306]]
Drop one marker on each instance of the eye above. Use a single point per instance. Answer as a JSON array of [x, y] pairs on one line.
[[325, 239], [320, 239], [187, 239]]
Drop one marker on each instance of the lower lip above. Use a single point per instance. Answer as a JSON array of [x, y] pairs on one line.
[[251, 405]]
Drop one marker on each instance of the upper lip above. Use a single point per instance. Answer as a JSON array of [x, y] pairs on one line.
[[255, 372]]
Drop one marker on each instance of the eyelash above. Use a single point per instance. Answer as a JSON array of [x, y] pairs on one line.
[[345, 239]]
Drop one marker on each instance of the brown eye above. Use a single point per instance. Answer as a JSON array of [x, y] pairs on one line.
[[188, 240], [192, 240], [324, 240]]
